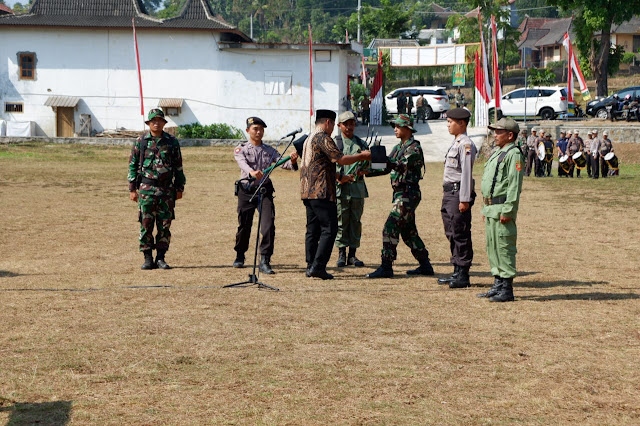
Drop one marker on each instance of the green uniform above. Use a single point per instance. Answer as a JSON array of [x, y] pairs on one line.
[[504, 201], [350, 196]]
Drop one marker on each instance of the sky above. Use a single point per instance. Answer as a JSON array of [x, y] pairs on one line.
[[10, 3]]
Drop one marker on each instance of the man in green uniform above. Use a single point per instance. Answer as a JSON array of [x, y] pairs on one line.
[[501, 186], [405, 164], [156, 181], [351, 192]]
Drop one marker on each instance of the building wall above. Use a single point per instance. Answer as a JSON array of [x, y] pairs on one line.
[[218, 86]]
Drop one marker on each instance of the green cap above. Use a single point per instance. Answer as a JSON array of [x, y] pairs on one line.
[[507, 124], [403, 120], [156, 112]]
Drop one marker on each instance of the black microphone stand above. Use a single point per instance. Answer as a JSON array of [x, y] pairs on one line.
[[260, 192]]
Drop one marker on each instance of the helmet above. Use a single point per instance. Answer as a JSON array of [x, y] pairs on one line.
[[626, 98], [616, 96]]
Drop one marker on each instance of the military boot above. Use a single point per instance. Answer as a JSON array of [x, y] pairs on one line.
[[506, 292], [342, 257], [148, 260], [265, 265], [239, 262], [353, 260], [160, 260], [319, 272], [447, 280], [495, 288], [384, 271], [425, 268], [462, 280]]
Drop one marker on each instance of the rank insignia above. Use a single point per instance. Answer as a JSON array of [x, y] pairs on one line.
[[519, 166]]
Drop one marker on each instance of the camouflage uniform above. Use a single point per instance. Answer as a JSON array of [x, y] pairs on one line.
[[157, 180]]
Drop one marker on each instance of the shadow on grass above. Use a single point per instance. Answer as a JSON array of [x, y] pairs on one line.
[[56, 413], [7, 274], [581, 296], [549, 284]]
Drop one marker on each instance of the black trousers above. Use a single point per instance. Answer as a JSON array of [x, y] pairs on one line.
[[457, 228], [245, 221], [604, 167], [595, 165], [589, 163], [546, 168], [322, 228], [532, 160]]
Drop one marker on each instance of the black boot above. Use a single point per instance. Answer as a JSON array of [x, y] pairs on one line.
[[425, 268], [319, 272], [148, 260], [447, 280], [265, 265], [308, 271], [342, 257], [506, 292], [462, 280], [353, 260], [239, 262], [495, 288], [160, 260], [384, 271]]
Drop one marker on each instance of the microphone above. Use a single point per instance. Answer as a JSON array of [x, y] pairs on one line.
[[295, 132]]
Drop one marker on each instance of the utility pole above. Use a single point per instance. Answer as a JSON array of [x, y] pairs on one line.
[[359, 7], [251, 31]]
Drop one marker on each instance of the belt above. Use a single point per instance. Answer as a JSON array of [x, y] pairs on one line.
[[454, 186], [494, 200], [153, 182]]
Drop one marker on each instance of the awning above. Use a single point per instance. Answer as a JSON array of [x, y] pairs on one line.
[[62, 101], [170, 103]]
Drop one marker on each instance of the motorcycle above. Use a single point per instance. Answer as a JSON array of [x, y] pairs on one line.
[[616, 111], [633, 111]]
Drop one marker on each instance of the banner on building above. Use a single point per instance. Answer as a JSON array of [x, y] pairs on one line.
[[458, 75]]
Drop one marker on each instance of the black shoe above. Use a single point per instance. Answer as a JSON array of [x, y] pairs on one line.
[[308, 271], [353, 260], [160, 260], [239, 262], [506, 292], [381, 272], [425, 268], [447, 280], [462, 280], [148, 260], [318, 272], [265, 265], [342, 257], [495, 288]]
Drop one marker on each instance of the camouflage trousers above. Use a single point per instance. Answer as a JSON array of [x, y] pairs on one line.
[[158, 211], [402, 222]]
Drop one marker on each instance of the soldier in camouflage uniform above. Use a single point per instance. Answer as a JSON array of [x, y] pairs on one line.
[[405, 164], [156, 181]]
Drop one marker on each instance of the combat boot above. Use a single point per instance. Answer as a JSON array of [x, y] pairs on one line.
[[384, 271], [506, 292], [160, 263], [462, 280], [447, 280], [425, 268], [342, 257], [495, 288], [353, 260], [319, 272], [265, 265], [148, 260], [239, 262]]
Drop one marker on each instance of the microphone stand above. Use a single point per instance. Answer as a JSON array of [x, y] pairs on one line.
[[260, 192]]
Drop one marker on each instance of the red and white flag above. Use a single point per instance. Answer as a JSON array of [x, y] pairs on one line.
[[497, 90], [137, 57], [575, 67], [486, 92], [376, 95], [310, 74], [481, 96], [364, 73]]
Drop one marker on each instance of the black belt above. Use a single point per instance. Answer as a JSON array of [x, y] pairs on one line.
[[447, 187], [153, 182], [494, 200], [404, 186]]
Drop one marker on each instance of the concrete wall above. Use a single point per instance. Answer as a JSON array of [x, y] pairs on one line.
[[626, 134], [218, 86]]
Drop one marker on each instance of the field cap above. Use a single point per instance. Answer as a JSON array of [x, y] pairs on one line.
[[255, 120], [346, 116], [156, 112], [507, 124], [325, 113], [534, 130], [562, 132], [589, 132], [403, 120], [458, 113], [569, 132], [594, 131], [605, 133], [575, 132]]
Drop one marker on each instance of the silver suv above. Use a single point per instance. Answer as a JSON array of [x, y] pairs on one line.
[[547, 102], [436, 97]]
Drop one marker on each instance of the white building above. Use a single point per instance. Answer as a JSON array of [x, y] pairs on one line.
[[70, 59]]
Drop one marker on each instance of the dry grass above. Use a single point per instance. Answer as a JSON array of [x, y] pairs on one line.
[[89, 337]]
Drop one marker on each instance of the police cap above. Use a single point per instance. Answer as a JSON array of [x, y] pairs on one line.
[[255, 120], [458, 113]]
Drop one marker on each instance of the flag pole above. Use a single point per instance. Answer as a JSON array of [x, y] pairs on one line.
[[137, 57], [310, 81]]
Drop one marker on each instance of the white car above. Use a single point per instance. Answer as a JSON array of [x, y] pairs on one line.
[[436, 97], [546, 102]]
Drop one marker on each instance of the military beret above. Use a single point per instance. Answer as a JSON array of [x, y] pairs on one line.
[[255, 120], [458, 113], [507, 124], [346, 116], [325, 113]]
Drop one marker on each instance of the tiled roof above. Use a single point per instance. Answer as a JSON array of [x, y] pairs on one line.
[[4, 9], [530, 37], [197, 14], [557, 28]]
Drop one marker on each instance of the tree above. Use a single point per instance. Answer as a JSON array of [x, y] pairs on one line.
[[593, 17], [151, 5], [170, 8], [18, 8]]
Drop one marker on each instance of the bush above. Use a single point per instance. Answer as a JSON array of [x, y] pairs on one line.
[[556, 65], [628, 57], [211, 131]]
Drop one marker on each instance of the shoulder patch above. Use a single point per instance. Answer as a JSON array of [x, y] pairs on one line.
[[467, 149], [518, 165], [238, 149]]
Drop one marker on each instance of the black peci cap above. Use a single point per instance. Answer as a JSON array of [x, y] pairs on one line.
[[325, 113], [458, 113], [255, 120]]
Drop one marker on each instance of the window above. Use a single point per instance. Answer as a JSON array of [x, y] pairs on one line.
[[546, 93], [171, 111], [13, 107], [277, 83], [323, 55], [27, 63], [518, 94]]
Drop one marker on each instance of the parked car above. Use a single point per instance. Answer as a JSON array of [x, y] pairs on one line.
[[597, 108], [436, 97], [547, 102]]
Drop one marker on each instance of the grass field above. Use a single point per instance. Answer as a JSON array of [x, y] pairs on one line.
[[89, 338]]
